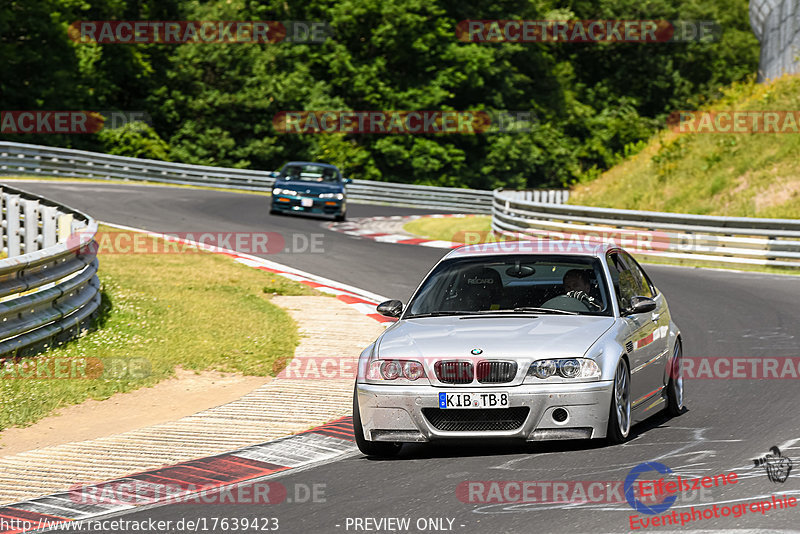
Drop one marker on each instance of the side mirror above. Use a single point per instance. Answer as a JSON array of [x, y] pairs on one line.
[[347, 180], [390, 308], [641, 305], [274, 174]]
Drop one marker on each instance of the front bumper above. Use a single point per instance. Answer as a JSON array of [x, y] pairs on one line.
[[322, 206], [395, 413]]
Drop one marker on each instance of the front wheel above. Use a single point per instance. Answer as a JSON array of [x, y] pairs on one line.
[[340, 218], [675, 383], [378, 449], [619, 417]]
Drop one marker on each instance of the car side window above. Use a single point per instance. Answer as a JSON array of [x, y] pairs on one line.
[[624, 284], [641, 283]]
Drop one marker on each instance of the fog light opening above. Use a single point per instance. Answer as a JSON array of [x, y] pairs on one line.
[[560, 415]]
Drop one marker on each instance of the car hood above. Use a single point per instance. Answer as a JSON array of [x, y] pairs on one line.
[[524, 337], [309, 188]]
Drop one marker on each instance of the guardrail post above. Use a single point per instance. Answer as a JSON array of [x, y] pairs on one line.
[[64, 226], [12, 225], [49, 232], [31, 231], [3, 221]]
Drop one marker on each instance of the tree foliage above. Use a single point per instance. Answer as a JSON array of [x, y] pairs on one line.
[[213, 104]]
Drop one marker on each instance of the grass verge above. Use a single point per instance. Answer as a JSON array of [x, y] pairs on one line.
[[195, 309], [736, 174], [468, 229]]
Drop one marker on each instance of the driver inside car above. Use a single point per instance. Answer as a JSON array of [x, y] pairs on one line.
[[578, 286]]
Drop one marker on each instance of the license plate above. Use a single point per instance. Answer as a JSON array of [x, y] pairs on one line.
[[307, 202], [494, 399]]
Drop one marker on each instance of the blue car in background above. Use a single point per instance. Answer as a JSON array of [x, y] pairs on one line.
[[305, 187]]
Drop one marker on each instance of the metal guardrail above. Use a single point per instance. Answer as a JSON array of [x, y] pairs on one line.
[[37, 160], [48, 282], [677, 236]]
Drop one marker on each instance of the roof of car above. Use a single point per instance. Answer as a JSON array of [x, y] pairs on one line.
[[295, 163], [548, 247]]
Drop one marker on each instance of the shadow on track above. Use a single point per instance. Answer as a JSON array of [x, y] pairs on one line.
[[467, 448]]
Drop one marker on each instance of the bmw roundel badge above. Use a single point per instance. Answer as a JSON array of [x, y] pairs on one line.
[[476, 351]]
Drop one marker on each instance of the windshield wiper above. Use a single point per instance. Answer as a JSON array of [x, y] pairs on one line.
[[544, 310], [524, 309], [442, 314], [490, 312]]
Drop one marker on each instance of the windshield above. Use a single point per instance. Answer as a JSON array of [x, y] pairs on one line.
[[516, 284], [309, 173]]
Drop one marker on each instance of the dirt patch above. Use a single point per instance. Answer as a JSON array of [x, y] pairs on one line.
[[780, 192], [184, 394]]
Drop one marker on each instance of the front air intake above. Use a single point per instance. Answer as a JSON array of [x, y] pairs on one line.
[[496, 372], [476, 420], [454, 372]]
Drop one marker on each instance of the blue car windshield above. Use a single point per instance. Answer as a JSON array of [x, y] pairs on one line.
[[518, 283], [309, 173]]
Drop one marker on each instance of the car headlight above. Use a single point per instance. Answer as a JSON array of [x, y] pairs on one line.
[[337, 196], [581, 368], [279, 191], [395, 369], [413, 370]]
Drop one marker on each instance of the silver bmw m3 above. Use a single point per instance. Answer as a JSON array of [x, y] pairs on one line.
[[523, 340]]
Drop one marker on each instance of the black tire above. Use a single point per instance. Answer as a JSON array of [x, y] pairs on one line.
[[619, 415], [375, 449], [675, 392], [340, 218]]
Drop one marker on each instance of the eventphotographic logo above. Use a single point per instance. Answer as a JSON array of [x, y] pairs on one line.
[[775, 464], [630, 483]]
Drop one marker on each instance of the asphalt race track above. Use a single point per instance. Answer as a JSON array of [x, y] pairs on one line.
[[728, 422]]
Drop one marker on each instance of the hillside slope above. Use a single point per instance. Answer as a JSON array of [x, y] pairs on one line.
[[745, 174]]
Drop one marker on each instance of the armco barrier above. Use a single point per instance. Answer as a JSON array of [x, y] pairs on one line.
[[48, 282], [677, 236], [37, 160]]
